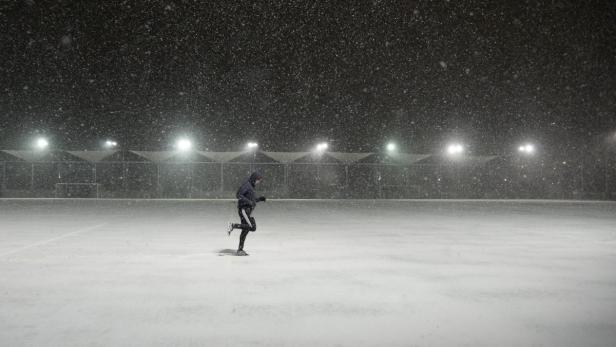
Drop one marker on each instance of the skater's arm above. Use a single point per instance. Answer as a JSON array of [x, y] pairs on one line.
[[245, 196], [244, 200]]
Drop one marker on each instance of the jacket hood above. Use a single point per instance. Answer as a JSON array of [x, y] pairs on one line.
[[254, 177]]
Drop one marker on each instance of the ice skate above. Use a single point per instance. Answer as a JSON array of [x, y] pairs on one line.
[[229, 228], [241, 253]]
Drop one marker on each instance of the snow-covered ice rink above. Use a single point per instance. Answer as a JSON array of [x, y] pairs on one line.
[[320, 273]]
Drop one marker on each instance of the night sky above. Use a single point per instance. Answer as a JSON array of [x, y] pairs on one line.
[[289, 73]]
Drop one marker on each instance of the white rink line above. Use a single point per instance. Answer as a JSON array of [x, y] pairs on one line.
[[40, 243]]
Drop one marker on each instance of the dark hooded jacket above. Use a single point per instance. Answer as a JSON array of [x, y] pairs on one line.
[[246, 195]]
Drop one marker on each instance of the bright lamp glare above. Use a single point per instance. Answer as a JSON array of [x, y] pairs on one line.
[[41, 143], [321, 147], [391, 146], [455, 149], [252, 145], [110, 144], [183, 145], [527, 149]]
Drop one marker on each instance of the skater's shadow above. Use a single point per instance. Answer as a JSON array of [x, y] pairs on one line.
[[226, 252]]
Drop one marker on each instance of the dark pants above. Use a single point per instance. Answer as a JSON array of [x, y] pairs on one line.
[[248, 224]]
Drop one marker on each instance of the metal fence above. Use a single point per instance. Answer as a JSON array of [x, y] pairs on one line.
[[143, 179]]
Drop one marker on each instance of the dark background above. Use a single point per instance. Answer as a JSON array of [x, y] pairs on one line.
[[287, 73]]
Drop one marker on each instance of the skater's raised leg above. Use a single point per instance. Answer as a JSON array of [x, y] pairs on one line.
[[230, 228]]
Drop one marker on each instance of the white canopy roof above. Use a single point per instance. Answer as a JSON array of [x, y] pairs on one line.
[[407, 158], [221, 157], [286, 157], [92, 156], [156, 156], [27, 155], [348, 158]]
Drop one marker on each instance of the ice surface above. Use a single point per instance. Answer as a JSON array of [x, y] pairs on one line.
[[346, 273]]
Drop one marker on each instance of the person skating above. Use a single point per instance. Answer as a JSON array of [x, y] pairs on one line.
[[246, 203]]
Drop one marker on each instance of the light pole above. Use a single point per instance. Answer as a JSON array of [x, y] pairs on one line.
[[252, 147], [606, 188], [526, 150], [184, 146], [454, 152], [610, 142], [319, 150], [40, 144]]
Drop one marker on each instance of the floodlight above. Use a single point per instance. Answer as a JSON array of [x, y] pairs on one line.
[[41, 143], [321, 147], [391, 147], [183, 145], [110, 144], [252, 146], [527, 149], [455, 149]]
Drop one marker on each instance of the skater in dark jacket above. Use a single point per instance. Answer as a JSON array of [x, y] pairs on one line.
[[246, 203]]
